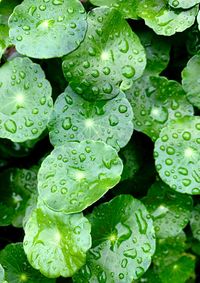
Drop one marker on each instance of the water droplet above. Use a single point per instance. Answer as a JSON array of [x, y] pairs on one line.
[[10, 126], [142, 224], [186, 136], [64, 191], [123, 108], [123, 46], [67, 123], [170, 150], [124, 263], [53, 189], [128, 71], [43, 100], [113, 120], [131, 253], [58, 2]]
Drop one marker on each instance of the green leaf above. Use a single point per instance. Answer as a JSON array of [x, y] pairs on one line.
[[123, 242], [157, 51], [17, 269], [126, 7], [190, 79], [17, 186], [185, 4], [56, 243], [159, 16], [107, 58], [4, 39], [47, 29], [177, 155], [179, 271], [76, 175], [167, 209], [155, 102], [25, 100], [195, 222], [75, 119], [169, 250], [2, 274]]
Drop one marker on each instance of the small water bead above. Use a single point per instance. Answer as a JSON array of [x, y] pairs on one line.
[[67, 123], [168, 161], [128, 71], [42, 7], [121, 276], [10, 126], [53, 189], [106, 70], [64, 191], [170, 150], [58, 2], [123, 108]]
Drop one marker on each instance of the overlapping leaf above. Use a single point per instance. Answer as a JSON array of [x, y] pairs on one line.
[[25, 100], [168, 209], [47, 29], [75, 119], [76, 175], [190, 79], [56, 243], [159, 16], [17, 268], [123, 242], [195, 222], [185, 4], [126, 7], [17, 186], [177, 155], [156, 101], [105, 60]]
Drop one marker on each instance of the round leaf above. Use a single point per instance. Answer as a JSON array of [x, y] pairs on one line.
[[123, 242], [75, 119], [168, 209], [16, 267], [156, 101], [164, 20], [103, 61], [185, 4], [177, 155], [25, 100], [76, 175], [126, 7], [56, 243], [195, 222], [47, 29], [190, 79]]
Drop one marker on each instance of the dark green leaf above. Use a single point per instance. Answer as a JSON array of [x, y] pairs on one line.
[[168, 209], [17, 269], [123, 242]]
